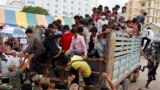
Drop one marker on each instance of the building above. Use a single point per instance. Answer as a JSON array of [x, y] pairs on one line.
[[63, 8], [15, 5], [67, 8], [9, 7], [137, 7]]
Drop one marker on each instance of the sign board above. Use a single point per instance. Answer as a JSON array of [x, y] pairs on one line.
[[23, 41]]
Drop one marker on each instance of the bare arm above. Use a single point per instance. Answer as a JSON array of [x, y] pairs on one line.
[[105, 75], [27, 62], [111, 84], [103, 33]]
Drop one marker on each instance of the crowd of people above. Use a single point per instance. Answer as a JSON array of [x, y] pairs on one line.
[[88, 37]]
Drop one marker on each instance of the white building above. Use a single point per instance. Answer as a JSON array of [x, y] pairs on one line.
[[152, 7], [9, 7], [15, 5], [64, 7], [67, 8]]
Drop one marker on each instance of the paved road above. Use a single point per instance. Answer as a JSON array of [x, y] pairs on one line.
[[142, 80]]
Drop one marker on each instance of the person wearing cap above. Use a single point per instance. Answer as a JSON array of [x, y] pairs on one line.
[[66, 38], [36, 79], [78, 45], [36, 48], [15, 73]]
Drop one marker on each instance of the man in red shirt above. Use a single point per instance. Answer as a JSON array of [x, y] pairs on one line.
[[66, 38]]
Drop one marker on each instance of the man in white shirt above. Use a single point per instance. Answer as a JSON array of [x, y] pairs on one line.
[[122, 14], [148, 37], [101, 22]]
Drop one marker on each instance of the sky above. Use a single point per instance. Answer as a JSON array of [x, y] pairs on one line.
[[2, 1], [112, 3]]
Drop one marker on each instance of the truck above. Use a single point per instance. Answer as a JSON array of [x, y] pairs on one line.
[[122, 60]]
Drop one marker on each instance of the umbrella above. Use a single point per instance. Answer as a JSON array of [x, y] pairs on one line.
[[14, 31]]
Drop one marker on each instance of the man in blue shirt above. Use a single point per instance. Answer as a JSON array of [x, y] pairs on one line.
[[141, 18]]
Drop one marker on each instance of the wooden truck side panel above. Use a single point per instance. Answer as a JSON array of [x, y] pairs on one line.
[[123, 55]]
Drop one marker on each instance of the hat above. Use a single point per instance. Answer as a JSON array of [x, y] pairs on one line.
[[36, 78], [11, 66]]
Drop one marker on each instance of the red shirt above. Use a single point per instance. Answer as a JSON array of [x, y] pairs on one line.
[[66, 41]]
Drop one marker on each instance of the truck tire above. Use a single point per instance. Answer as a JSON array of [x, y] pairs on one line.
[[126, 84]]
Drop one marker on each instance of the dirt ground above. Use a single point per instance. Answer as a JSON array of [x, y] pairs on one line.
[[142, 80]]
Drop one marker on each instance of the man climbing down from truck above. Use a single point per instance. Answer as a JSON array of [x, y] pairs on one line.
[[53, 50], [149, 65], [148, 37], [151, 74], [36, 49]]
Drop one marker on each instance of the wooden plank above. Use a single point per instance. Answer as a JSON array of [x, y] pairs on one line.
[[120, 53]]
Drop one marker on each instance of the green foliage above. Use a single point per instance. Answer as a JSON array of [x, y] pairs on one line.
[[35, 10]]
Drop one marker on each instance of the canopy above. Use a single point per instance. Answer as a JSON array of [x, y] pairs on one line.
[[13, 31], [12, 18]]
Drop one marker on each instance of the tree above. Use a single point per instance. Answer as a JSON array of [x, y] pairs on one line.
[[35, 10]]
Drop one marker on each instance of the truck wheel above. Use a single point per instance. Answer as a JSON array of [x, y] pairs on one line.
[[126, 84]]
